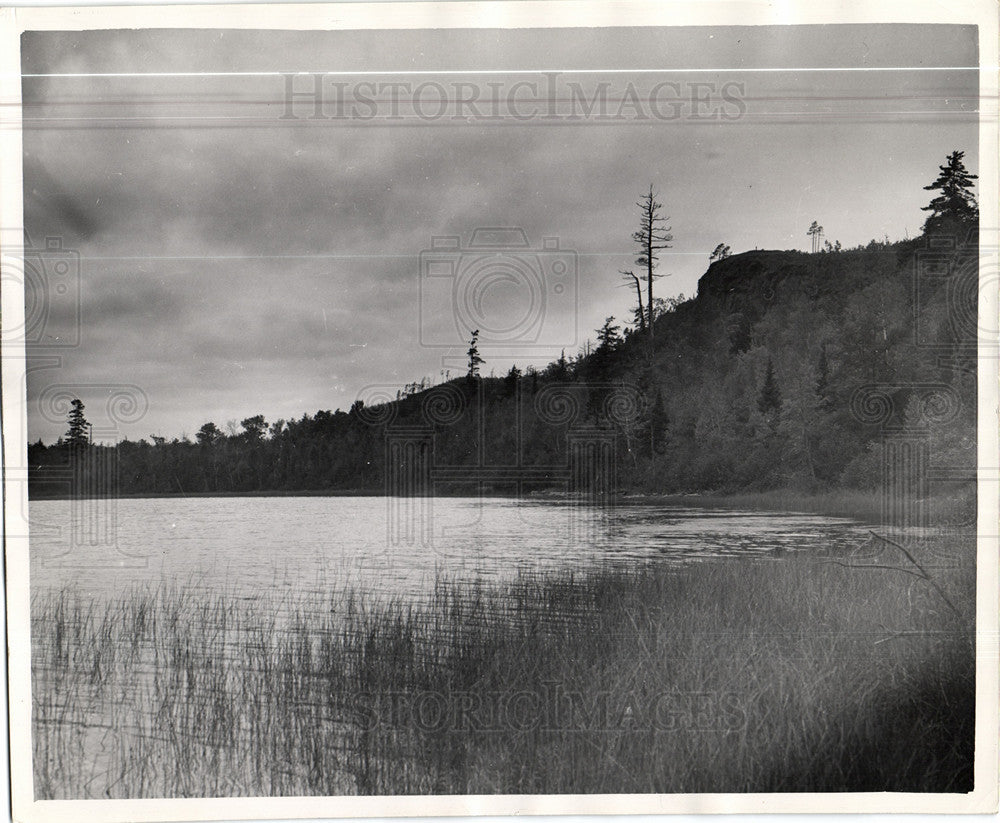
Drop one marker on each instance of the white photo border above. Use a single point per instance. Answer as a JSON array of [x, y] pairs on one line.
[[525, 14]]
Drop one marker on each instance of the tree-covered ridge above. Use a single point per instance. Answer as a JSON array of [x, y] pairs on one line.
[[786, 369]]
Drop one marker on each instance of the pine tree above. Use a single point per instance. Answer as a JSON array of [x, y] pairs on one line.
[[722, 251], [208, 434], [79, 429], [955, 209], [532, 373], [511, 381], [561, 370], [254, 428], [815, 231], [598, 368], [475, 361], [608, 336]]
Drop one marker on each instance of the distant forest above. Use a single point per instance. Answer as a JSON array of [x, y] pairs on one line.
[[788, 369]]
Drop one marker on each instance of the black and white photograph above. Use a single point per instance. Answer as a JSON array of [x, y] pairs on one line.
[[500, 408]]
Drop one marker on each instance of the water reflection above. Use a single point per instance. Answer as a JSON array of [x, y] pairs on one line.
[[315, 544]]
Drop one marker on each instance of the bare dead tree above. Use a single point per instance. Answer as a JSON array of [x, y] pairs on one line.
[[640, 313], [652, 236]]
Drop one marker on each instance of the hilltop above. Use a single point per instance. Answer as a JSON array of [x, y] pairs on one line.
[[750, 385]]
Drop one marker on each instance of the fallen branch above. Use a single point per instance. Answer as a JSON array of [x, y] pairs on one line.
[[923, 572]]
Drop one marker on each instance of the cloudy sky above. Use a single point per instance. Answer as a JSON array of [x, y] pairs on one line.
[[234, 260]]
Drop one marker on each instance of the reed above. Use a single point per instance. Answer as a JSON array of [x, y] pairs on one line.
[[790, 674], [951, 510]]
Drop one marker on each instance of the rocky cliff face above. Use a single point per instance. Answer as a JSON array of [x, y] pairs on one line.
[[749, 283]]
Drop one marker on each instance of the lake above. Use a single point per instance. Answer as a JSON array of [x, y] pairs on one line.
[[207, 650], [392, 547]]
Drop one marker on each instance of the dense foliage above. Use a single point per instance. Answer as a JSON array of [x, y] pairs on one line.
[[787, 369]]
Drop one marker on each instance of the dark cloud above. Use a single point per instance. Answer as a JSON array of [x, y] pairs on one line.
[[235, 263], [45, 196]]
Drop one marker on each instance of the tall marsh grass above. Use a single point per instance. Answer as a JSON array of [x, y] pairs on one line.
[[791, 674], [948, 510]]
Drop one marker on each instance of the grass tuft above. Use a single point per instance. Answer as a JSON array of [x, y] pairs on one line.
[[789, 674]]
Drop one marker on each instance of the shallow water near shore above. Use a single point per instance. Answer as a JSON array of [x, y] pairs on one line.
[[386, 546]]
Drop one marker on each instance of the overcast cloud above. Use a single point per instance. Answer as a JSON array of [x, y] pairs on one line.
[[234, 262]]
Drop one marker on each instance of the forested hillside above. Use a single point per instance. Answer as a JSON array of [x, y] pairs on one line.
[[786, 369]]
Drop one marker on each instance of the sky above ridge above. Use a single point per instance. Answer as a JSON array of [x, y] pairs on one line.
[[235, 251]]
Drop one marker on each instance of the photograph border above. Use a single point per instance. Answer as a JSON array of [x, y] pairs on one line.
[[486, 15]]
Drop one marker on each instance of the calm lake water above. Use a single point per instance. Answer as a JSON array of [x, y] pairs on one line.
[[390, 547], [116, 712]]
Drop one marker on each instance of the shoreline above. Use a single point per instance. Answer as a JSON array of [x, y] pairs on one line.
[[541, 494], [861, 505]]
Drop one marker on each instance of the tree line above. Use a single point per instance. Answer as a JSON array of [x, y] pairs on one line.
[[753, 384]]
